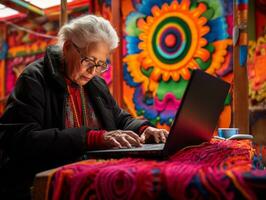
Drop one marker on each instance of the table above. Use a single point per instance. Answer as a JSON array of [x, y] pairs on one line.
[[214, 170]]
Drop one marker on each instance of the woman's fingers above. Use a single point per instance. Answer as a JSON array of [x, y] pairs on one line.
[[132, 141], [162, 136], [143, 138], [156, 137], [115, 143], [159, 135], [166, 133], [122, 140], [128, 139], [133, 135]]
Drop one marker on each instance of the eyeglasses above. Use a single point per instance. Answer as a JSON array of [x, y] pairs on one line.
[[90, 62]]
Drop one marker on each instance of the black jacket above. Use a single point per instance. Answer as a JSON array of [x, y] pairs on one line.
[[33, 136]]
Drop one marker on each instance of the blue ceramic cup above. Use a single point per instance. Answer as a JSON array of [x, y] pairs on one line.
[[227, 132]]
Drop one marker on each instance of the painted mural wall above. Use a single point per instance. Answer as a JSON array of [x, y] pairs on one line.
[[3, 53], [25, 47], [257, 58], [103, 8], [20, 47], [164, 41]]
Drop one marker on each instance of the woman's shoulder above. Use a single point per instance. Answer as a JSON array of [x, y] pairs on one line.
[[34, 69], [99, 81], [98, 85]]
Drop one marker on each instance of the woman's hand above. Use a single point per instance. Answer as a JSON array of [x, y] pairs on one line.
[[158, 135], [121, 139]]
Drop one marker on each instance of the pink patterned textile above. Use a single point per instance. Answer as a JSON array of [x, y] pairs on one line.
[[214, 170]]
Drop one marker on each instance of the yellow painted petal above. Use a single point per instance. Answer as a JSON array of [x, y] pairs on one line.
[[142, 46], [156, 11], [202, 21], [156, 74], [185, 74], [142, 24], [193, 64], [134, 68], [185, 4], [199, 10], [204, 30], [175, 76], [165, 7], [175, 5], [150, 20], [147, 62], [143, 36], [166, 76], [203, 42], [203, 54]]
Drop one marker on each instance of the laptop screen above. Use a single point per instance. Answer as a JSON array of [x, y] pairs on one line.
[[199, 112]]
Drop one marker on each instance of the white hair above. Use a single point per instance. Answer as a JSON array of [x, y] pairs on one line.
[[86, 30]]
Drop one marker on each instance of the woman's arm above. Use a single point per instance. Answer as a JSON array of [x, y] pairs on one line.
[[21, 127]]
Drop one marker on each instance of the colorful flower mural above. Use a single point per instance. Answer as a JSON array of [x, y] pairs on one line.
[[167, 39]]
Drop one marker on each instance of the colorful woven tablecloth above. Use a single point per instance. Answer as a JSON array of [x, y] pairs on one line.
[[214, 170]]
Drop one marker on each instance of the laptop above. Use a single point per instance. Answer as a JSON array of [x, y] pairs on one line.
[[194, 123]]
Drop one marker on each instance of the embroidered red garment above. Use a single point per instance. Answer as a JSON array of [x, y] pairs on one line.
[[74, 116], [142, 129]]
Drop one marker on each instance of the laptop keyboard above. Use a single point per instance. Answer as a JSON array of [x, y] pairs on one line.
[[149, 147], [145, 147]]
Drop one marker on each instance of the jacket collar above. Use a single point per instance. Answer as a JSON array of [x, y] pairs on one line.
[[53, 60]]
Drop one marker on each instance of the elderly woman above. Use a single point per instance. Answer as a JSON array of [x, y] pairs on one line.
[[61, 107]]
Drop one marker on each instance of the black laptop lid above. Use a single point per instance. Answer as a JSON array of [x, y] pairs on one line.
[[198, 114]]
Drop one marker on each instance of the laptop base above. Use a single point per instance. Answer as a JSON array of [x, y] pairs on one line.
[[148, 151]]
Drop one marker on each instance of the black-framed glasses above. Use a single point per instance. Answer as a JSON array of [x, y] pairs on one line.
[[91, 62]]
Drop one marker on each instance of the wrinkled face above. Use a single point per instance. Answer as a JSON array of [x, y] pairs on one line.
[[85, 63]]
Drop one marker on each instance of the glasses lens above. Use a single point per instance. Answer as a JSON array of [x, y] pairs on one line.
[[90, 64], [104, 69], [87, 63]]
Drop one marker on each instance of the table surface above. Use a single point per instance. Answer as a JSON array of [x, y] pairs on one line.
[[217, 169]]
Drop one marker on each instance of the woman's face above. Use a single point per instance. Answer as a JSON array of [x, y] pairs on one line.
[[87, 62]]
